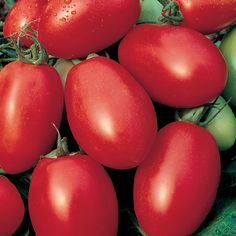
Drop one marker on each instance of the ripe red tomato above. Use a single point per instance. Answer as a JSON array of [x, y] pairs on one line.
[[177, 66], [208, 16], [12, 207], [31, 100], [174, 189], [72, 195], [109, 113], [73, 29], [22, 13]]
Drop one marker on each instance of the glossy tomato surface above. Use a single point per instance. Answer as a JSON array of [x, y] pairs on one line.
[[12, 207], [109, 113], [72, 195], [31, 100], [174, 189], [228, 49], [73, 29], [208, 16], [177, 66], [23, 12]]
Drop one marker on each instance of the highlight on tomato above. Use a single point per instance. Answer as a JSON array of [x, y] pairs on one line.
[[31, 100], [205, 16], [176, 186], [72, 195], [178, 66], [21, 14], [110, 115], [73, 29]]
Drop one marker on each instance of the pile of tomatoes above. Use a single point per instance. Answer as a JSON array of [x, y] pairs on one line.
[[144, 92]]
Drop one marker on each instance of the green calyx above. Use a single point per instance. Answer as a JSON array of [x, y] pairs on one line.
[[13, 50], [199, 115], [171, 12]]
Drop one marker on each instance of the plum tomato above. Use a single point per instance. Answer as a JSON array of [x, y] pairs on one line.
[[177, 66], [110, 115], [175, 187]]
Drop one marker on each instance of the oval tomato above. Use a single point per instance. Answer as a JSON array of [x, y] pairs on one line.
[[22, 13], [228, 49], [223, 125], [31, 100], [208, 16], [12, 207], [109, 113], [72, 195], [176, 65], [175, 187], [73, 29]]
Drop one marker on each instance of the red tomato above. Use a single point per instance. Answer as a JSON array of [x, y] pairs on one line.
[[178, 66], [12, 207], [72, 195], [21, 13], [31, 100], [73, 29], [109, 113], [174, 189], [208, 16]]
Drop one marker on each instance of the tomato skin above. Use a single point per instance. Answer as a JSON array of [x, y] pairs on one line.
[[208, 16], [176, 186], [73, 29], [177, 66], [12, 207], [21, 13], [31, 100], [223, 126], [228, 49], [109, 113], [72, 195]]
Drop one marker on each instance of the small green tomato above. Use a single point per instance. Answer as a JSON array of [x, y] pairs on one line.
[[150, 12], [228, 49]]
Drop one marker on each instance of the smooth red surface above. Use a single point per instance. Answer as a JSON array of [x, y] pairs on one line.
[[73, 29], [208, 16], [23, 12], [12, 207], [109, 113], [175, 188], [31, 100], [72, 195], [176, 65]]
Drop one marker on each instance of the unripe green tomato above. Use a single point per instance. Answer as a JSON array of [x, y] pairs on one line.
[[223, 126], [150, 12], [63, 66], [228, 49]]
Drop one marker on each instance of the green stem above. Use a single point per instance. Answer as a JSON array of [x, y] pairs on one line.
[[199, 115], [7, 59], [171, 12], [164, 2], [62, 147]]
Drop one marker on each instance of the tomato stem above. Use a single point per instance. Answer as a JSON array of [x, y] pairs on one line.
[[198, 115], [171, 12], [62, 147], [164, 2]]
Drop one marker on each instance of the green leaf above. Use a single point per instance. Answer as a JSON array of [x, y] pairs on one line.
[[9, 3], [223, 218], [228, 176]]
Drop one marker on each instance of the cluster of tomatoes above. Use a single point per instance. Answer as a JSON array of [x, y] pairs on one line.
[[157, 100]]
